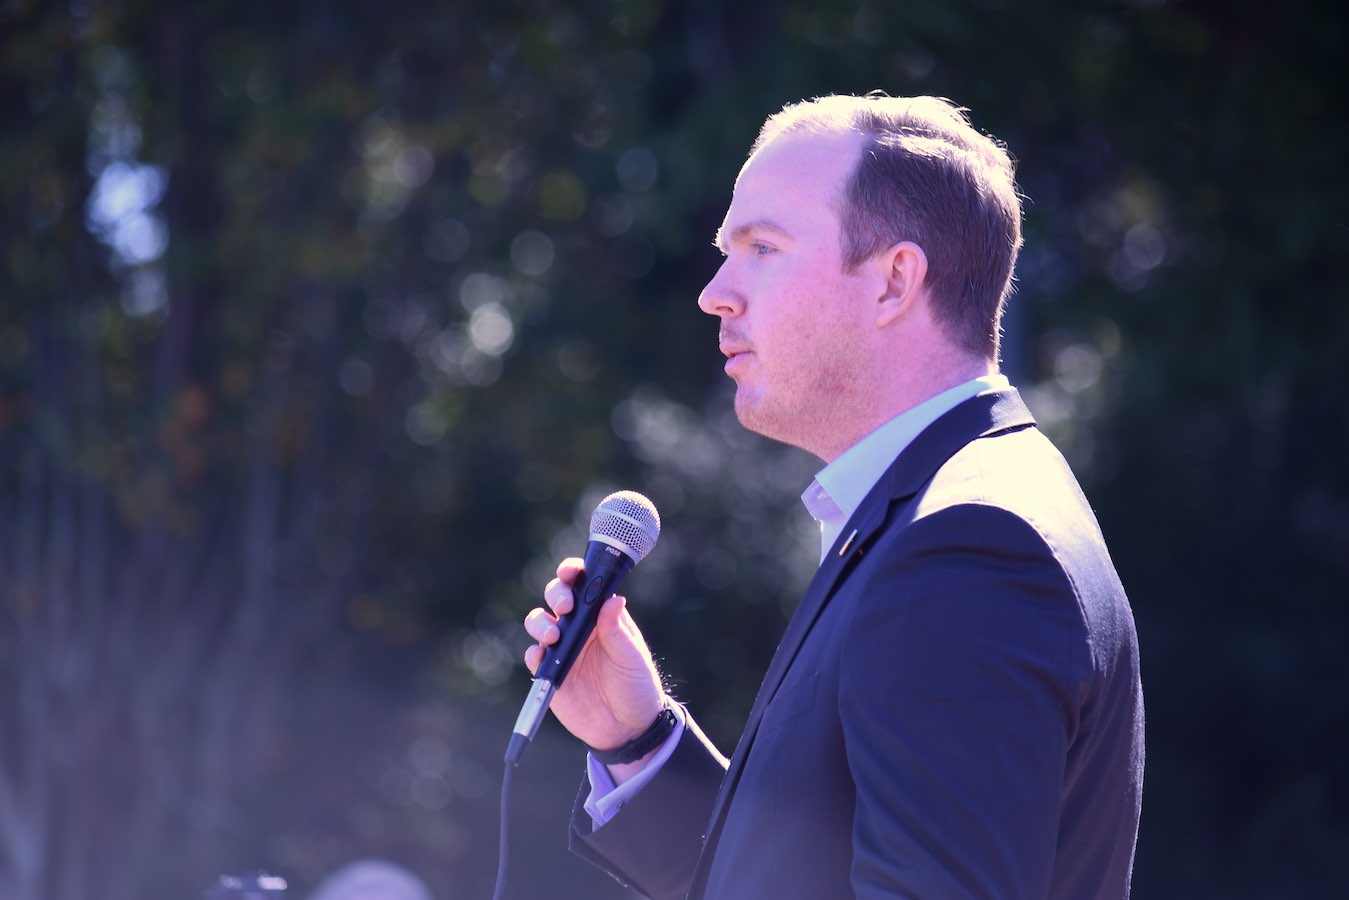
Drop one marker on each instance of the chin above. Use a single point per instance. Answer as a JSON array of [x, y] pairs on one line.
[[747, 412], [754, 416]]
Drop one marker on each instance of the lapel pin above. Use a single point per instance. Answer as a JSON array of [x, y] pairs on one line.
[[848, 543]]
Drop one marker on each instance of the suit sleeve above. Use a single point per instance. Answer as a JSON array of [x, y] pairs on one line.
[[956, 698], [652, 844]]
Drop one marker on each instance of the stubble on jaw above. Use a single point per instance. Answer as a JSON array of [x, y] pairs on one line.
[[817, 420]]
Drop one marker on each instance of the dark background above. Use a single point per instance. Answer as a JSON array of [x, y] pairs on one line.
[[323, 326]]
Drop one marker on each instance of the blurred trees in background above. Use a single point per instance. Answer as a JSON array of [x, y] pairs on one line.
[[324, 326]]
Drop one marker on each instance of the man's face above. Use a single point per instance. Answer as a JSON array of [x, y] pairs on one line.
[[794, 328]]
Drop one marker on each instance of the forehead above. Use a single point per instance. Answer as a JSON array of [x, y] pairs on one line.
[[795, 181]]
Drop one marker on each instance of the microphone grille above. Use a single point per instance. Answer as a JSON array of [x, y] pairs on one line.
[[629, 519]]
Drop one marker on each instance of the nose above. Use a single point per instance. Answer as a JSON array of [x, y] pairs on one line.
[[719, 297]]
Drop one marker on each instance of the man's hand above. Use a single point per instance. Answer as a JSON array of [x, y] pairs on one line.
[[613, 691]]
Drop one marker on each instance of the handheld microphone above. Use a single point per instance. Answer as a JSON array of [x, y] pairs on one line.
[[623, 529]]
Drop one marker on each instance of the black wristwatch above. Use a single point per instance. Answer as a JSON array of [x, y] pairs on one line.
[[641, 745]]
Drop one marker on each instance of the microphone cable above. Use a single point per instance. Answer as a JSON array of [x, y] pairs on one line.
[[504, 843], [623, 530]]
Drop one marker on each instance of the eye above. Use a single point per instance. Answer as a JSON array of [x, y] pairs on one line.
[[760, 248]]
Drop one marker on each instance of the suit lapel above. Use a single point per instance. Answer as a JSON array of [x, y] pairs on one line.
[[980, 416]]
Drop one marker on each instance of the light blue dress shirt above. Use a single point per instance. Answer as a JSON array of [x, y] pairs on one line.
[[831, 499]]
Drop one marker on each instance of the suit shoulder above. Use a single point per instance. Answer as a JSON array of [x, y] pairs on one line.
[[1019, 472], [1016, 489]]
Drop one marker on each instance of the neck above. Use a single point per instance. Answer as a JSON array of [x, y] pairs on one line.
[[901, 391]]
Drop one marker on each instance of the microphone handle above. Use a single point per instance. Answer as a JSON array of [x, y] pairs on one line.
[[604, 568]]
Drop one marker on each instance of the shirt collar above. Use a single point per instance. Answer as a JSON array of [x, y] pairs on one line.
[[840, 487]]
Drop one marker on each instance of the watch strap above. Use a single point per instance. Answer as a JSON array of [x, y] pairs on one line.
[[655, 735]]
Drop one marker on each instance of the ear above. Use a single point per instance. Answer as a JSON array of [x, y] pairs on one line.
[[906, 278]]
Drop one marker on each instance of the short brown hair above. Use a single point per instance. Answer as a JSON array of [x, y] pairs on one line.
[[926, 175]]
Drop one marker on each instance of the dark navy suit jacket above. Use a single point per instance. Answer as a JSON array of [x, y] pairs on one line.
[[954, 710]]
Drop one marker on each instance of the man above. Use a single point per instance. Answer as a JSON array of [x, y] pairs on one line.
[[955, 708]]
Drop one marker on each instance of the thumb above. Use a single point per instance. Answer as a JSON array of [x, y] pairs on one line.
[[619, 632], [611, 621]]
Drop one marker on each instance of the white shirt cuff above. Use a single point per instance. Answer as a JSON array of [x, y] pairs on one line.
[[605, 800]]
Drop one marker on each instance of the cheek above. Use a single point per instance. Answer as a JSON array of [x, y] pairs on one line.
[[811, 312], [797, 315], [834, 330]]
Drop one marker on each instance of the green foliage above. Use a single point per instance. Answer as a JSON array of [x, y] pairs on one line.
[[296, 422]]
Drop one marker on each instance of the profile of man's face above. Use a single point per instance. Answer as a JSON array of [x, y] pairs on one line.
[[792, 321]]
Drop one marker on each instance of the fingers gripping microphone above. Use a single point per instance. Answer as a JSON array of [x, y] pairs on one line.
[[623, 529]]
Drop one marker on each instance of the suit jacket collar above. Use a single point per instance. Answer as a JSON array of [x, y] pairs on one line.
[[980, 416]]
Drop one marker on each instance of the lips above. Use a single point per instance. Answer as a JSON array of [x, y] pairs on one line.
[[731, 351], [732, 344], [737, 353]]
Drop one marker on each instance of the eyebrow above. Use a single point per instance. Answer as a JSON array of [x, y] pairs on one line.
[[722, 242]]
